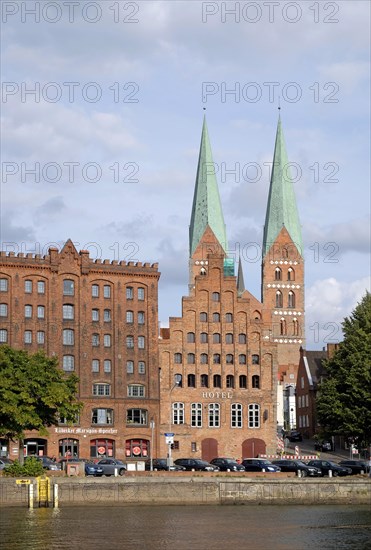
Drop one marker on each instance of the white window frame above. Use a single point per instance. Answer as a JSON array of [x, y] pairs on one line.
[[136, 390], [178, 413], [68, 363], [196, 415], [254, 416], [213, 410], [236, 415]]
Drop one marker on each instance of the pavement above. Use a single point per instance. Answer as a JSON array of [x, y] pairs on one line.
[[306, 447]]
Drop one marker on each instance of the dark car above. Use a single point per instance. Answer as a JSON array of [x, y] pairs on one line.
[[5, 463], [323, 446], [259, 465], [227, 464], [92, 469], [357, 466], [296, 465], [196, 464], [48, 463], [109, 465], [326, 465], [161, 464], [294, 435]]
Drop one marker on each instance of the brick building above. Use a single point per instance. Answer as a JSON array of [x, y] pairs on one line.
[[100, 319]]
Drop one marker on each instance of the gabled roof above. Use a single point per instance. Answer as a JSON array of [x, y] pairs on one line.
[[313, 362]]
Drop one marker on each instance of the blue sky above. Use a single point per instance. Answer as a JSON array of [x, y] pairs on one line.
[[115, 122]]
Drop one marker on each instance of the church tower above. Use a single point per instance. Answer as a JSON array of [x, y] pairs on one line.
[[283, 264]]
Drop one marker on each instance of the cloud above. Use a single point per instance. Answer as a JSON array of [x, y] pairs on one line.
[[11, 233], [350, 236], [49, 211]]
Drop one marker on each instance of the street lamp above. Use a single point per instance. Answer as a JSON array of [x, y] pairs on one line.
[[152, 426], [170, 436]]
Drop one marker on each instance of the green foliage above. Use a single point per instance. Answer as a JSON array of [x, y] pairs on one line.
[[344, 399], [32, 468], [34, 393]]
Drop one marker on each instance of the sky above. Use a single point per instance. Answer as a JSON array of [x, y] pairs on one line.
[[101, 116]]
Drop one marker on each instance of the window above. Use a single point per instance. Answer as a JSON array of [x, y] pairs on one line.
[[229, 317], [102, 416], [137, 416], [3, 335], [28, 336], [204, 381], [278, 298], [95, 314], [236, 415], [68, 287], [141, 342], [130, 342], [107, 340], [216, 338], [204, 358], [28, 311], [229, 338], [68, 363], [130, 367], [3, 310], [255, 381], [291, 299], [216, 317], [177, 358], [229, 359], [196, 415], [107, 365], [203, 337], [191, 337], [95, 291], [215, 297], [254, 416], [290, 274], [3, 285], [40, 287], [242, 338], [68, 337], [107, 291], [40, 337], [283, 328], [216, 359], [136, 390], [129, 293], [230, 381], [141, 318], [277, 274], [255, 359], [141, 367], [28, 287], [243, 381], [107, 315], [95, 339], [40, 312], [191, 358], [178, 413], [130, 317], [102, 390], [140, 293], [203, 317], [217, 381], [242, 359], [68, 311], [191, 381], [214, 415], [95, 365], [295, 327]]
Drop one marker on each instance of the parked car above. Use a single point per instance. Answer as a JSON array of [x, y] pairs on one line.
[[109, 466], [92, 469], [294, 435], [161, 464], [289, 465], [5, 462], [196, 464], [259, 465], [323, 446], [225, 464], [357, 466], [48, 463], [326, 465]]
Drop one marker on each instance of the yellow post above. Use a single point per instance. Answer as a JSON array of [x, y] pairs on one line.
[[43, 490]]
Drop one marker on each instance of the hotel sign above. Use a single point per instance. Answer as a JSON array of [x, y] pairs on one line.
[[217, 395], [89, 431]]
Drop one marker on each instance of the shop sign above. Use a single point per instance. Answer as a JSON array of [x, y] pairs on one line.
[[78, 431]]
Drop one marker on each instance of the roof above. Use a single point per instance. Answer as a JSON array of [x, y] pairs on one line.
[[313, 361]]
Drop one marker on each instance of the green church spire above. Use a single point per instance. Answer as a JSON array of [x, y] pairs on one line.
[[281, 209], [206, 208]]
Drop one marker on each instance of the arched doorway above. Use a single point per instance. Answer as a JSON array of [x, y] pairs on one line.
[[209, 448], [68, 448], [35, 447], [252, 448], [102, 448]]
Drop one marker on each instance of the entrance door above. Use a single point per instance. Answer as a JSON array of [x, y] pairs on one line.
[[209, 449], [252, 448]]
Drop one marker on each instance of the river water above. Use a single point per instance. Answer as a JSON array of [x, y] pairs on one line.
[[187, 528]]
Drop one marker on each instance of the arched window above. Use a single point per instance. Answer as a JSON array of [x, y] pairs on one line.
[[216, 338], [204, 358], [254, 415], [136, 390], [178, 413], [216, 317], [215, 297], [177, 358], [214, 415], [130, 317], [255, 381], [68, 337], [68, 311], [295, 327], [203, 338], [130, 342], [290, 274], [255, 359], [203, 271], [203, 317], [216, 359], [217, 381], [278, 274], [283, 328], [191, 337], [291, 299], [196, 415], [236, 415], [69, 287], [230, 381], [229, 317], [242, 338], [229, 359], [191, 358], [191, 381], [204, 381], [68, 363], [278, 298], [242, 359], [229, 338], [243, 381]]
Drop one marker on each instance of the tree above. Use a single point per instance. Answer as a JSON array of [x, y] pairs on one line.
[[34, 394], [344, 397]]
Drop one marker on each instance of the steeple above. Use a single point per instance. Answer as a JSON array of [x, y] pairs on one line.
[[206, 208], [240, 281], [281, 209]]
